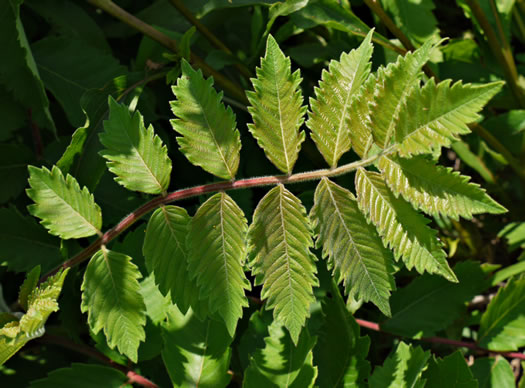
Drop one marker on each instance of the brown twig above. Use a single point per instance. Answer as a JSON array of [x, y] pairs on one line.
[[209, 35], [171, 44], [445, 341], [133, 377]]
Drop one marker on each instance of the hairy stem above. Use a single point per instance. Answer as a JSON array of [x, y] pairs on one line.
[[445, 341], [133, 377], [181, 194], [501, 51], [171, 44], [212, 38]]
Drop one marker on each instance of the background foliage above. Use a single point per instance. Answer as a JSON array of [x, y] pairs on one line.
[[72, 70]]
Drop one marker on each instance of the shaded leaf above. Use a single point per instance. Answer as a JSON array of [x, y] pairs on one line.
[[493, 373], [402, 368], [280, 240], [84, 376], [14, 159], [276, 108], [282, 363], [166, 256], [451, 371], [209, 138], [196, 353], [64, 209], [502, 325], [111, 297], [418, 309]]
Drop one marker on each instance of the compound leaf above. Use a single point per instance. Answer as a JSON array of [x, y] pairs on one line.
[[276, 108], [65, 210], [393, 86], [358, 121], [166, 255], [435, 114], [336, 93], [451, 371], [209, 138], [217, 247], [354, 249], [280, 240], [503, 323], [134, 153], [111, 297], [435, 189], [401, 227]]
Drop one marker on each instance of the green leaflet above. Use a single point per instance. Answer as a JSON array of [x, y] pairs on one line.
[[360, 130], [111, 297], [354, 249], [340, 353], [14, 159], [435, 189], [166, 256], [84, 376], [217, 251], [39, 302], [394, 84], [451, 371], [401, 227], [336, 93], [435, 114], [503, 323], [135, 154], [280, 240], [209, 138], [65, 210], [493, 372], [282, 363], [418, 309], [196, 353], [402, 368], [276, 108]]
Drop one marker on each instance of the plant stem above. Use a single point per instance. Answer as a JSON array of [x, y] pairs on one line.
[[376, 8], [133, 377], [501, 51], [171, 44], [181, 194], [445, 341], [209, 35], [495, 143]]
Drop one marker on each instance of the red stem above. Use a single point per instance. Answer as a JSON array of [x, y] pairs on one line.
[[133, 377], [439, 340]]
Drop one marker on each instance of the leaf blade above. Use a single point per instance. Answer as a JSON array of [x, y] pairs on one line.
[[209, 138], [435, 189], [333, 98], [278, 235], [133, 152], [64, 209], [353, 247], [276, 108], [400, 226], [111, 297], [217, 250]]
